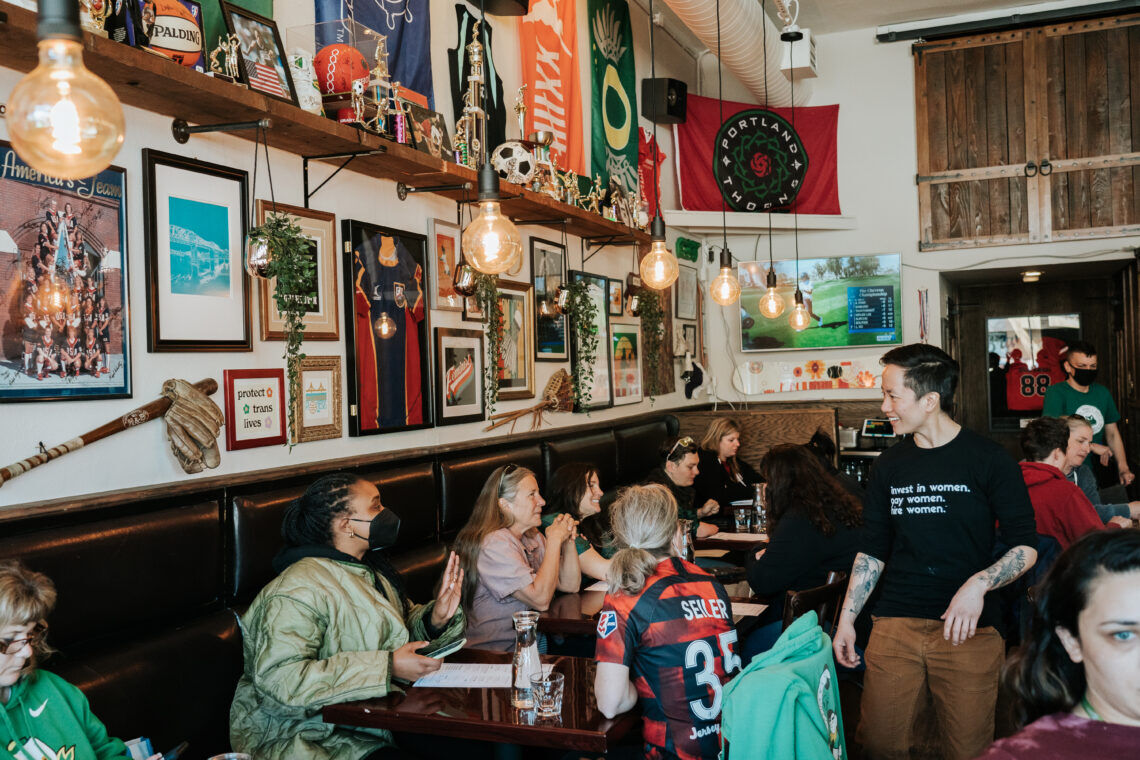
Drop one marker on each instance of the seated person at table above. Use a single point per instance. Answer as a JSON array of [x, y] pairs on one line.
[[575, 490], [665, 632], [823, 447], [42, 714], [509, 565], [1078, 471], [814, 526], [677, 471], [334, 626], [723, 476], [1075, 677], [1061, 510]]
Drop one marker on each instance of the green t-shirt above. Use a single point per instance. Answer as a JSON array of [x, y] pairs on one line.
[[1096, 406], [580, 543]]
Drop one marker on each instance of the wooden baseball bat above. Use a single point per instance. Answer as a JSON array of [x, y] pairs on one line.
[[131, 419]]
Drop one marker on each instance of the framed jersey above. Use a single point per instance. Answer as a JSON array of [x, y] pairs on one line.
[[386, 329]]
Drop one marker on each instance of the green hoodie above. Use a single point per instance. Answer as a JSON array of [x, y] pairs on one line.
[[786, 702], [46, 717]]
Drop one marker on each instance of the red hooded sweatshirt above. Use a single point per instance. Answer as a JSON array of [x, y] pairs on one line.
[[1062, 510]]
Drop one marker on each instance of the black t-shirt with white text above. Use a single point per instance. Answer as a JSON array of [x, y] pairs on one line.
[[930, 515]]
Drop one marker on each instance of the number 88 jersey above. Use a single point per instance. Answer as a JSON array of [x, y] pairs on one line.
[[678, 639]]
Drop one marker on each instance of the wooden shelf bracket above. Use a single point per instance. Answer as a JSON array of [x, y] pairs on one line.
[[348, 157], [182, 130]]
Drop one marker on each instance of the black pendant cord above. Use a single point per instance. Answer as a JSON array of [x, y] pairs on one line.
[[253, 189], [655, 148], [720, 98], [767, 104], [796, 199], [268, 166]]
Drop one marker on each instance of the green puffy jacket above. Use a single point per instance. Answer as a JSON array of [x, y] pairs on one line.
[[321, 632]]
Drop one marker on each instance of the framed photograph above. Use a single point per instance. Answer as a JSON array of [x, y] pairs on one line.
[[626, 361], [255, 407], [65, 331], [471, 310], [429, 132], [516, 371], [443, 240], [686, 289], [263, 62], [615, 299], [389, 374], [322, 320], [601, 392], [317, 408], [195, 221], [689, 332], [459, 376], [547, 263]]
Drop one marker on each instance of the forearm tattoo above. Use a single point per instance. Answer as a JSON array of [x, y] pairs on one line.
[[864, 575], [1007, 569]]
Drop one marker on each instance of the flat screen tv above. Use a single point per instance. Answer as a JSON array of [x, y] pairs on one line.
[[852, 300]]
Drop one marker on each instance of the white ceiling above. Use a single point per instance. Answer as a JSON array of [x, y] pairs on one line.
[[826, 16]]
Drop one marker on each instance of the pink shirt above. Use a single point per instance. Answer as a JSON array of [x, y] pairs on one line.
[[1064, 736], [505, 565]]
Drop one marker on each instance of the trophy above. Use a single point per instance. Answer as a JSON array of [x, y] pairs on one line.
[[228, 48], [93, 15]]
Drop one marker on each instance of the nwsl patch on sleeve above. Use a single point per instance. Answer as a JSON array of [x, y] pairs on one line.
[[607, 623]]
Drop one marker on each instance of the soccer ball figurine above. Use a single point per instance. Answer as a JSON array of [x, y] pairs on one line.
[[514, 162]]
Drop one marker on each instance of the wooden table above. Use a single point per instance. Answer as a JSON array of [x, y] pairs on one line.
[[577, 614], [487, 714], [720, 541]]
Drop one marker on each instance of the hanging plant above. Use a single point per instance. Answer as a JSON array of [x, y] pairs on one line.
[[653, 335], [286, 249], [582, 314], [487, 296]]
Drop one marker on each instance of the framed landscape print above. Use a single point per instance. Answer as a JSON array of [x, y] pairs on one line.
[[686, 289], [516, 369], [615, 301], [443, 241], [547, 263], [195, 221], [255, 407], [385, 283], [64, 319], [263, 62], [601, 391], [459, 376], [317, 408], [626, 361], [322, 320]]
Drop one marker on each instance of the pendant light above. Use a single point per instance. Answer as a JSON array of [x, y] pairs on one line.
[[771, 304], [800, 318], [725, 289], [658, 267], [385, 326], [63, 120]]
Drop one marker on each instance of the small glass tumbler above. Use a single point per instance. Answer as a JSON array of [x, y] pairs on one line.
[[743, 519], [547, 692]]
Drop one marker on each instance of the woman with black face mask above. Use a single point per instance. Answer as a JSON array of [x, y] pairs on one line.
[[334, 626]]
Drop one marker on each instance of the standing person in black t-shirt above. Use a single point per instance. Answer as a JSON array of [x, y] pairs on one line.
[[929, 517]]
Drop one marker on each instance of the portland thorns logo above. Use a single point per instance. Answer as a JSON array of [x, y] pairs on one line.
[[759, 161]]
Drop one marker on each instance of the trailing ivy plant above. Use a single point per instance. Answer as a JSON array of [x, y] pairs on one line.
[[653, 336], [487, 296], [293, 269], [582, 314]]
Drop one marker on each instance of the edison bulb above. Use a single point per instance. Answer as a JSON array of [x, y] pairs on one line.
[[725, 288], [63, 120], [800, 319], [771, 305], [385, 326], [491, 242], [659, 267]]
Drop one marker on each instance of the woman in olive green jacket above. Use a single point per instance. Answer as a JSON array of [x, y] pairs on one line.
[[334, 626]]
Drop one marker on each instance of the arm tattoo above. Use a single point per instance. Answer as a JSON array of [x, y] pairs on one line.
[[1007, 569], [864, 575]]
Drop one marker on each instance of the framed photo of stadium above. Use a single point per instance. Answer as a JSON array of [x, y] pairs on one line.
[[195, 221], [459, 376], [386, 327], [625, 353], [322, 320], [263, 61], [516, 362], [317, 408], [547, 267], [64, 318], [601, 390], [443, 238]]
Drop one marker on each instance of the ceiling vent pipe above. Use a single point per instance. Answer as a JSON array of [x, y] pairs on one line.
[[742, 25]]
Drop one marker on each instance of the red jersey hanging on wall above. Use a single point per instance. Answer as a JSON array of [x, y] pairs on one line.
[[1024, 387], [648, 154]]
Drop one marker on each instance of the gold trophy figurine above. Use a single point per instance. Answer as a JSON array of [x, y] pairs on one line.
[[520, 110], [93, 14]]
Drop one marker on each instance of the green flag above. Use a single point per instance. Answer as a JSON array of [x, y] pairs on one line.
[[614, 110]]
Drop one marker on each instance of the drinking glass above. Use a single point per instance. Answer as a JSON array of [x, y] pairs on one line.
[[547, 693], [743, 519]]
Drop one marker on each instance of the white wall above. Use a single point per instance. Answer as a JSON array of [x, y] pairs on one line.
[[140, 457]]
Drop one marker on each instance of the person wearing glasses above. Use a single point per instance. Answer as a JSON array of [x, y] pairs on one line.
[[41, 715], [723, 476], [508, 564], [677, 472], [575, 490]]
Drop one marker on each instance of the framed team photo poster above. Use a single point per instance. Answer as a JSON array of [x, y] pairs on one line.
[[443, 242], [262, 55], [195, 220], [64, 319], [547, 263], [615, 300], [459, 376], [255, 407], [601, 391], [322, 320], [686, 290], [317, 408], [386, 328], [626, 361], [516, 368]]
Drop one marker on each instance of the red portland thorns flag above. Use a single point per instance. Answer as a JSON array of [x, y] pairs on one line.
[[755, 160]]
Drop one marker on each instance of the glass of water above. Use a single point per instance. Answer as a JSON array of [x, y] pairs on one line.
[[743, 518], [547, 691]]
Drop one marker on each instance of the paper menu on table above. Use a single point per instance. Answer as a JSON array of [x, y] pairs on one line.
[[467, 675], [745, 538], [747, 609], [599, 586]]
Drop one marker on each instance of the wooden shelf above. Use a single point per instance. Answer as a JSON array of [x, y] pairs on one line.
[[151, 82]]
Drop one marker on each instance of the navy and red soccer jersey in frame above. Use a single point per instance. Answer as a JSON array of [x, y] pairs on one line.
[[678, 639]]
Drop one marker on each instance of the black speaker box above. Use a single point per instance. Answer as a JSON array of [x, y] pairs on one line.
[[663, 100]]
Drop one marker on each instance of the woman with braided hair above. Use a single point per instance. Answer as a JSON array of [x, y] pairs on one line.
[[334, 626]]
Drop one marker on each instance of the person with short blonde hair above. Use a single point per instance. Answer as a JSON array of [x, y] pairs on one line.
[[723, 476], [1078, 470]]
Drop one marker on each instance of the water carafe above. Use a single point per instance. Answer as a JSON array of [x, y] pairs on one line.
[[760, 524], [525, 663]]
